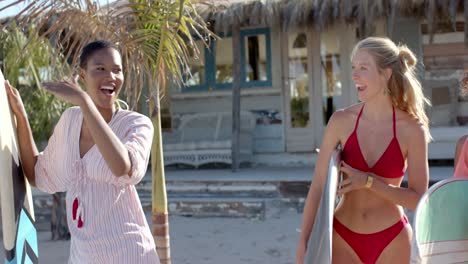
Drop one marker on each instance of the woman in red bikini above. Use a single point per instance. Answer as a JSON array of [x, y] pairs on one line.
[[382, 137]]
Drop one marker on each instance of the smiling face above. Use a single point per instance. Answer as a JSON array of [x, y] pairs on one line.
[[369, 81], [103, 77]]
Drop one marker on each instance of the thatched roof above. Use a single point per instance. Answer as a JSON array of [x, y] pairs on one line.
[[321, 13]]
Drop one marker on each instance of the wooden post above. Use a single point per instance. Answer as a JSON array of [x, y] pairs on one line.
[[315, 63], [160, 219], [236, 42], [348, 91]]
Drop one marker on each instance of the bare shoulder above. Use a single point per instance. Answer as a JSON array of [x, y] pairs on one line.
[[459, 147], [460, 143], [408, 127], [343, 120], [347, 114], [462, 140]]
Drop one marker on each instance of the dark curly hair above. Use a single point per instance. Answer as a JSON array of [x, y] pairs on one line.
[[91, 48]]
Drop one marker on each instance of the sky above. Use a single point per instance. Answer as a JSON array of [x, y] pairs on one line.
[[11, 11]]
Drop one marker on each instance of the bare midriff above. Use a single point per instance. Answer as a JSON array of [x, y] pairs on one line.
[[364, 211]]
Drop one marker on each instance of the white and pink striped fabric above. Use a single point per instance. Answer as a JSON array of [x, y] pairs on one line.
[[104, 213]]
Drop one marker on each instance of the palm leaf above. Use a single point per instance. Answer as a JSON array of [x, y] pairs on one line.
[[151, 33], [26, 60]]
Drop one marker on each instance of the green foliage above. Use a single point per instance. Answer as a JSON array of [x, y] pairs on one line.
[[299, 112], [163, 31], [43, 110], [153, 36], [27, 60]]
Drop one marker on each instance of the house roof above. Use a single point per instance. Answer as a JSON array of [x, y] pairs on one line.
[[290, 14], [321, 13]]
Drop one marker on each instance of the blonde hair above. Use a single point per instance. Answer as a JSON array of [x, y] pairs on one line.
[[403, 87]]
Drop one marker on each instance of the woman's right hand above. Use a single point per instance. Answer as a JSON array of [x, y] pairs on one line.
[[67, 90], [301, 249], [14, 98]]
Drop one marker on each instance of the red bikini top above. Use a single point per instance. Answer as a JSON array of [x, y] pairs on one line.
[[390, 165]]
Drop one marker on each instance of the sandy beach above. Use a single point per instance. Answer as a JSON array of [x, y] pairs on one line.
[[212, 240], [215, 240], [272, 239]]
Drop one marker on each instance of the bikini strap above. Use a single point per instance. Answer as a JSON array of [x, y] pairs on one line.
[[358, 117], [394, 122]]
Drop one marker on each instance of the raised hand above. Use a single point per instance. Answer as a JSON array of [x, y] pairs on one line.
[[67, 90], [14, 97]]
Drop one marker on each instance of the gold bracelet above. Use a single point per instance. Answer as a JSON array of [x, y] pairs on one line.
[[370, 181]]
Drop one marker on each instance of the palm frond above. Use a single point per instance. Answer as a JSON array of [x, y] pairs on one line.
[[27, 60], [152, 34]]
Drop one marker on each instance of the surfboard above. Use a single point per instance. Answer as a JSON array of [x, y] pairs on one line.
[[19, 231], [441, 224], [319, 246]]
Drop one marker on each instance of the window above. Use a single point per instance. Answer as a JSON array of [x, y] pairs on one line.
[[196, 76], [212, 69], [256, 57], [223, 62], [298, 80], [331, 73]]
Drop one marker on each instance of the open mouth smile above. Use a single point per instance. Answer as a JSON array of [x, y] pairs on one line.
[[108, 90]]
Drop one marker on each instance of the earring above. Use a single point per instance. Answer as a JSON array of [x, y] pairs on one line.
[[386, 91]]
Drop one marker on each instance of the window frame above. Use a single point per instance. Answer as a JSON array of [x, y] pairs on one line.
[[200, 87], [220, 86], [256, 32], [210, 64]]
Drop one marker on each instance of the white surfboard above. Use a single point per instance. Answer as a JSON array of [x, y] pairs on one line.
[[441, 224], [319, 246], [19, 232]]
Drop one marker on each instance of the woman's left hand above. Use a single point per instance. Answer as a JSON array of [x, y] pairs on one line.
[[355, 180], [68, 90]]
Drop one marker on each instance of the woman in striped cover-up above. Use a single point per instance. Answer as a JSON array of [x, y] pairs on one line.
[[96, 155]]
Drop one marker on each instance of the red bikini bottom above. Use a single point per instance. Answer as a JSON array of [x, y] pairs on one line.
[[368, 247]]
